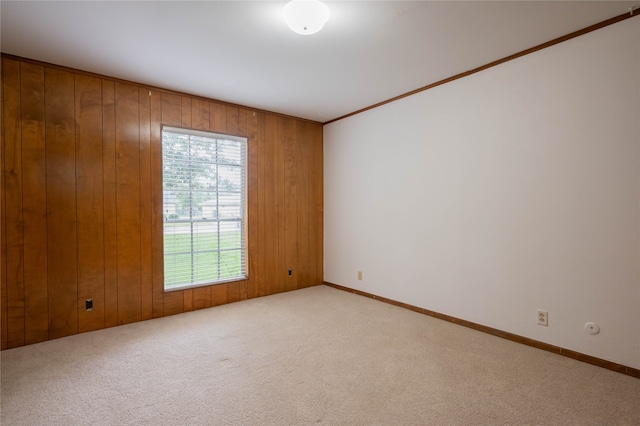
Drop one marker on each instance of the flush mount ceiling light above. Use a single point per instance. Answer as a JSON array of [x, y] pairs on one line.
[[306, 17]]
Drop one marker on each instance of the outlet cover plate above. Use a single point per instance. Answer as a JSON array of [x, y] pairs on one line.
[[543, 317]]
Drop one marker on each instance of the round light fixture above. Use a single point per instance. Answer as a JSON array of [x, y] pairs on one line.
[[306, 17]]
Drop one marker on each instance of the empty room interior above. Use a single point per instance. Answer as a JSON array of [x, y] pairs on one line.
[[304, 212]]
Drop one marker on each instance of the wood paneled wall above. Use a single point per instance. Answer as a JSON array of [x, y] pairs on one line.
[[82, 201]]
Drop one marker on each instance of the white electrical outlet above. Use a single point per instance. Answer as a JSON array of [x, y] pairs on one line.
[[359, 275], [543, 317]]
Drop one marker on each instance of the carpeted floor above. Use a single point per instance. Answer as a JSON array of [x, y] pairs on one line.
[[313, 356]]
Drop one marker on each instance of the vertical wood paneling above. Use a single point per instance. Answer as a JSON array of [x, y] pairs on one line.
[[146, 274], [311, 205], [200, 117], [202, 297], [157, 239], [13, 203], [185, 111], [172, 115], [91, 272], [243, 290], [233, 291], [171, 109], [271, 204], [62, 276], [87, 217], [34, 204], [173, 302], [128, 203], [218, 117], [281, 195], [252, 204], [219, 294], [291, 203], [3, 236], [233, 120], [110, 225], [262, 206], [303, 208]]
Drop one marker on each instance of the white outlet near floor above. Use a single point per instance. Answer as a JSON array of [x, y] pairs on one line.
[[543, 317], [359, 275]]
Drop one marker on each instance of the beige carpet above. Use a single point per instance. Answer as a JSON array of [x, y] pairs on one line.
[[313, 356]]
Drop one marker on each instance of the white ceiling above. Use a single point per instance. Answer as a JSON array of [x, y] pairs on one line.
[[242, 52]]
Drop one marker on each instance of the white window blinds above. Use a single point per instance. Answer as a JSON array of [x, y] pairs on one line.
[[204, 207]]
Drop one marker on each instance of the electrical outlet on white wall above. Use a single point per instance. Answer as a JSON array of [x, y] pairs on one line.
[[543, 317]]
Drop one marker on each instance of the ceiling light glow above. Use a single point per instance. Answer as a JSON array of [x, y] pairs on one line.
[[306, 17]]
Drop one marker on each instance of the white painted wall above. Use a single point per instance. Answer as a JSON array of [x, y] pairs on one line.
[[515, 189]]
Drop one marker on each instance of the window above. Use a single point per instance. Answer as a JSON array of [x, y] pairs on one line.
[[204, 208]]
